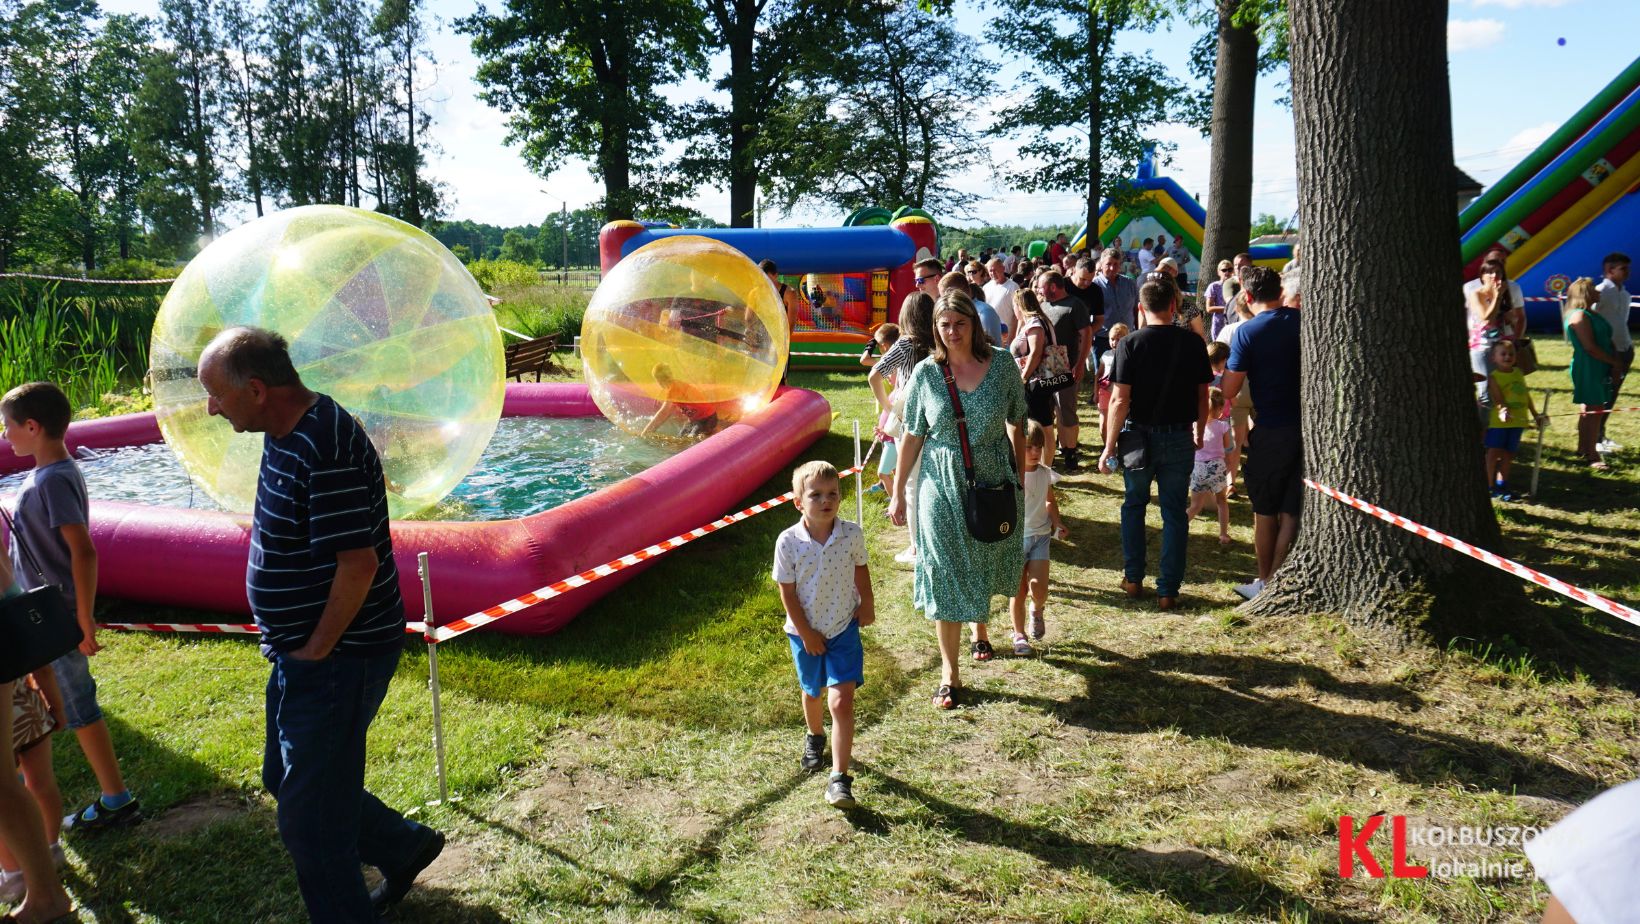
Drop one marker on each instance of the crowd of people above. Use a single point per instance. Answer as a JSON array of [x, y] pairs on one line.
[[978, 384], [1594, 317], [1196, 396]]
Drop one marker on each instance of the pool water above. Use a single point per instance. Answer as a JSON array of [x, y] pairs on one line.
[[532, 464]]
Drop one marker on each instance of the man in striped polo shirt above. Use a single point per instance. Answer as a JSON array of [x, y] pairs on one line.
[[325, 593]]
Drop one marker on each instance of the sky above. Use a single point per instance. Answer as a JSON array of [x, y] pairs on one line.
[[1513, 82]]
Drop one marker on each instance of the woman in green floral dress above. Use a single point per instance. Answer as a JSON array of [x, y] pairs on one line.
[[956, 574]]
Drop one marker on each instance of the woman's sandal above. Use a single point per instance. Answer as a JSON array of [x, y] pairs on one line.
[[982, 650], [945, 697]]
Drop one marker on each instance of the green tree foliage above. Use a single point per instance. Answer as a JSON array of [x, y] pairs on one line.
[[520, 249], [768, 43], [23, 122], [1266, 223], [199, 62], [401, 150], [584, 80], [891, 120], [1088, 111], [124, 138], [1266, 17]]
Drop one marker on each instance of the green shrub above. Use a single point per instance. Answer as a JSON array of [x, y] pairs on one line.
[[493, 275], [540, 310]]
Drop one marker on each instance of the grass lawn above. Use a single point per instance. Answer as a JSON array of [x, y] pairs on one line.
[[1189, 766]]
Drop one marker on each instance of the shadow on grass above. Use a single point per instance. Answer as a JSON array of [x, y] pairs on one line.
[[660, 890], [1143, 694], [1195, 880]]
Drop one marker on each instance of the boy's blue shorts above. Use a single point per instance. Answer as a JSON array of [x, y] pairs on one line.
[[885, 464], [843, 662], [73, 672], [1504, 438]]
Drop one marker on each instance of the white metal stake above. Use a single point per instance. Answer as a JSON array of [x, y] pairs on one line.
[[1537, 464], [859, 481], [432, 675]]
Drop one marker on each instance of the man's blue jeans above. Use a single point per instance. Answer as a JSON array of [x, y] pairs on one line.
[[1172, 456], [317, 715]]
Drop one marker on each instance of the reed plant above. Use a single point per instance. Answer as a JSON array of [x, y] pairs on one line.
[[92, 344]]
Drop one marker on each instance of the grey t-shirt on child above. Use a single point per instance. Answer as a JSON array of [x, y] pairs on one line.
[[53, 496]]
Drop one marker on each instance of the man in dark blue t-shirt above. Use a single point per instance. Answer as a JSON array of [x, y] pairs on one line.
[[325, 593], [1264, 355]]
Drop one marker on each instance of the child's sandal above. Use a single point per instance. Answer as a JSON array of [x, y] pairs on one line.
[[1022, 645]]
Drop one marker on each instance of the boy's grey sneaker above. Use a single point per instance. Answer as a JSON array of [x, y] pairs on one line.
[[840, 792], [97, 816], [814, 752]]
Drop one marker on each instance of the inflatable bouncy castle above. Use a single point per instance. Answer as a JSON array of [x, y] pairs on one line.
[[851, 279]]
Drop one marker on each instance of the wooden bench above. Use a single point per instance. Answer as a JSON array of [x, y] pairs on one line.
[[532, 356]]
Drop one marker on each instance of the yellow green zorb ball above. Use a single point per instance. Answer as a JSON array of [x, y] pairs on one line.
[[379, 315]]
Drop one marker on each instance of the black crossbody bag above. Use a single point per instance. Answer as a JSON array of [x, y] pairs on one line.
[[992, 513], [36, 628], [1132, 445]]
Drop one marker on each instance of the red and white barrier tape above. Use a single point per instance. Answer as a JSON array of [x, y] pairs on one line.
[[467, 624], [1590, 598], [413, 628], [1614, 410]]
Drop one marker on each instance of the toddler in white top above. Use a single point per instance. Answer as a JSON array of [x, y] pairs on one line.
[[825, 587], [1210, 480], [1041, 523]]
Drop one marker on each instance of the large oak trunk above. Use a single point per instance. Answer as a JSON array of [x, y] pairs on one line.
[[1389, 413], [1230, 172]]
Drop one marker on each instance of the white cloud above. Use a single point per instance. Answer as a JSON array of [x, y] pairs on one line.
[[1531, 137], [1518, 4], [1472, 34]]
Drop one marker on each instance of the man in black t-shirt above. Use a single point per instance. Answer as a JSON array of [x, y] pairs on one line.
[[1072, 329], [1160, 377], [1081, 285]]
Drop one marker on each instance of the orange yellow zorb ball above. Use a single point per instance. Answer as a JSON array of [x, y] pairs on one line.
[[683, 337], [379, 315]]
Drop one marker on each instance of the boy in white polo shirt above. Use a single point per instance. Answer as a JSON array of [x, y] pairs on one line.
[[825, 586]]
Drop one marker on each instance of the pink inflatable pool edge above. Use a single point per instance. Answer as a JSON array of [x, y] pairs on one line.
[[196, 559]]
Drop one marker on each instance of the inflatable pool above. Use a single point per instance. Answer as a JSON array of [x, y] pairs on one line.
[[196, 559]]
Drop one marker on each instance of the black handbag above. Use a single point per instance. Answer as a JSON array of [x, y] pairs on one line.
[[36, 628], [992, 513], [1132, 445]]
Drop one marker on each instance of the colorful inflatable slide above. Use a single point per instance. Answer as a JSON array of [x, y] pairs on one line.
[[1163, 207], [1570, 202]]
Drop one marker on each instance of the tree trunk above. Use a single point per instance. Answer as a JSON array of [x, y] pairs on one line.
[[412, 189], [1230, 174], [1373, 121], [741, 34], [1096, 91], [202, 151]]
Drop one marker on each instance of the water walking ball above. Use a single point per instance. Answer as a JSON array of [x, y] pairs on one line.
[[683, 337], [379, 315]]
